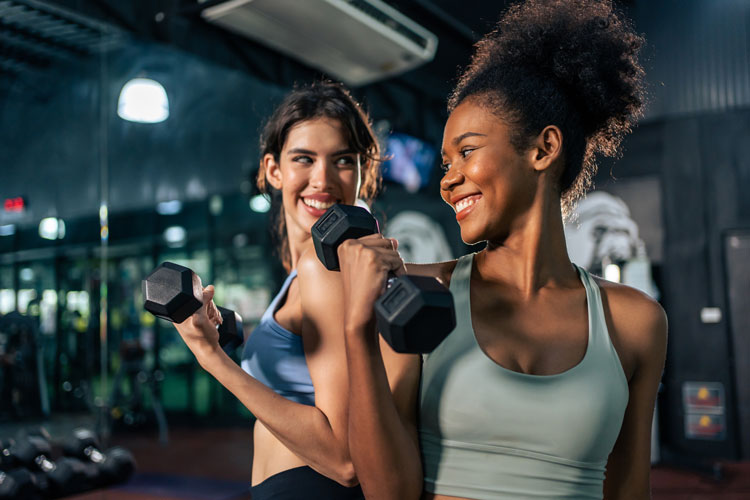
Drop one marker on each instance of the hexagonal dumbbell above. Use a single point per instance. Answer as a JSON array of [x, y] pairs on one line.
[[174, 292], [53, 478], [415, 313], [115, 465]]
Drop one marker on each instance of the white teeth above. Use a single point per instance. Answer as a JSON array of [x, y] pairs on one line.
[[317, 204], [465, 203]]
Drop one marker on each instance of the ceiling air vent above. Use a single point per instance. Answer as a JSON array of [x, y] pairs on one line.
[[356, 41]]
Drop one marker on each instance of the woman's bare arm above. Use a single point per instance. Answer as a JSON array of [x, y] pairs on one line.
[[382, 415], [316, 434], [640, 326]]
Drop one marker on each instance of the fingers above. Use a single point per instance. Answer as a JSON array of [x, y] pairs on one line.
[[390, 259], [386, 258], [211, 309], [378, 240], [372, 250]]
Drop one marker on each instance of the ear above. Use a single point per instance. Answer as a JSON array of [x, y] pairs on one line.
[[272, 171], [362, 168], [547, 148]]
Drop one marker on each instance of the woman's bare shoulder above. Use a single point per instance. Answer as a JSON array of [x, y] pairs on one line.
[[631, 306], [639, 322], [319, 286]]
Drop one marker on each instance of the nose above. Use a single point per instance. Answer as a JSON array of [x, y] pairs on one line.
[[451, 179], [321, 174]]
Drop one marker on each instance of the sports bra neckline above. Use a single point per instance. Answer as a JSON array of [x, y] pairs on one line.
[[280, 301], [591, 302]]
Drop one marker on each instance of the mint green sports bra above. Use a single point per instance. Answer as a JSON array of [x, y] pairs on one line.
[[487, 432]]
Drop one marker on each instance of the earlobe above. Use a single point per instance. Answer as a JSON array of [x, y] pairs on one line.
[[272, 171]]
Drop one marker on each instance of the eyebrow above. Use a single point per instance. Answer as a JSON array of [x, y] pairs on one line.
[[463, 136], [296, 151], [457, 140]]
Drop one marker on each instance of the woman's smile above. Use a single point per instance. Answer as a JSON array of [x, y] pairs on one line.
[[465, 205]]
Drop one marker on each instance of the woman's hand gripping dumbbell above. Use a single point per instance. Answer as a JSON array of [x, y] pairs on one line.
[[416, 312], [175, 293]]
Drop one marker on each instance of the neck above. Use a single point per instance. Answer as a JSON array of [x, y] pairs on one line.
[[299, 241], [533, 254]]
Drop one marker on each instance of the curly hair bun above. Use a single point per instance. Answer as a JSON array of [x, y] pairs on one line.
[[585, 46], [572, 63]]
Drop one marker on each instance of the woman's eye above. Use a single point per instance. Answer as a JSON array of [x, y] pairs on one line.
[[445, 166], [345, 161], [466, 152], [302, 159]]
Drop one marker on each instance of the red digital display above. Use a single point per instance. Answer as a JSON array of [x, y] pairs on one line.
[[17, 204]]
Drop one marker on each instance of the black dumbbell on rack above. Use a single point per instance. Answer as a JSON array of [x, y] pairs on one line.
[[15, 481], [174, 292], [114, 465], [46, 478], [415, 313]]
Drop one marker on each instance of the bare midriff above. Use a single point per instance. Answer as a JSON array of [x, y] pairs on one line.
[[270, 456]]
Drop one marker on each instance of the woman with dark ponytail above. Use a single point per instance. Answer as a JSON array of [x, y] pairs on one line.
[[546, 387], [317, 149]]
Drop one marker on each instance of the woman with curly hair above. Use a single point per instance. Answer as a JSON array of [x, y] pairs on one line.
[[546, 387]]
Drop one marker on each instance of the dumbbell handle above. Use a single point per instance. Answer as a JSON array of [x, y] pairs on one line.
[[94, 454], [229, 341], [44, 463]]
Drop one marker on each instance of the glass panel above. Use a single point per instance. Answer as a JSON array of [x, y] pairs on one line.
[[77, 342], [7, 290]]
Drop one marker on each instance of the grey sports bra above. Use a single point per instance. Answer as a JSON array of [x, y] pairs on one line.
[[487, 432]]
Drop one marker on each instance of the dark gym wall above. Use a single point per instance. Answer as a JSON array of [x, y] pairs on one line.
[[693, 139], [706, 174], [705, 177], [697, 56]]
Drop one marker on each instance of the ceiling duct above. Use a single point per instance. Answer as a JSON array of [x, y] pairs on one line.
[[54, 31], [356, 41], [38, 39]]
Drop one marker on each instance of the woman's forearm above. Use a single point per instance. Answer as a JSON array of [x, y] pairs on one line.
[[385, 454], [304, 429]]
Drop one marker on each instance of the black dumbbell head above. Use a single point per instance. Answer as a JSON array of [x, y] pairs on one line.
[[339, 223], [76, 476], [231, 334], [172, 292], [9, 488], [64, 475], [415, 314], [20, 483], [7, 460], [25, 450], [118, 465], [27, 483], [77, 443], [34, 430]]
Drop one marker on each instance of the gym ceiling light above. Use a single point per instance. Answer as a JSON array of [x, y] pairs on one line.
[[143, 100]]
